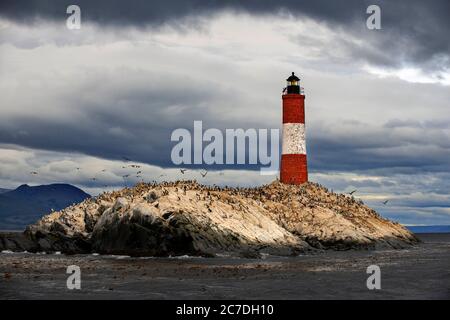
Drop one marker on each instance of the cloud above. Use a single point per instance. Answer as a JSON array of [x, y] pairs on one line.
[[96, 175], [365, 146], [124, 97], [413, 32]]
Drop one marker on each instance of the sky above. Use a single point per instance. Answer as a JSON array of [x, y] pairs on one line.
[[377, 101]]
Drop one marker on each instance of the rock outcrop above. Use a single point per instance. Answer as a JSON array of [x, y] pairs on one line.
[[188, 218]]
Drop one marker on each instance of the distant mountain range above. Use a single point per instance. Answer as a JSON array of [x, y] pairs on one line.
[[25, 205], [429, 229]]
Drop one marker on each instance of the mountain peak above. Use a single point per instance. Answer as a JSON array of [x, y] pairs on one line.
[[26, 204], [23, 187], [54, 187]]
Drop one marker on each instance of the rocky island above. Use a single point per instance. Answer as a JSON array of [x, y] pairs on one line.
[[187, 218]]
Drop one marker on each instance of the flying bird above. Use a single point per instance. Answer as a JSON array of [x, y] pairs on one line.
[[183, 171], [33, 172], [385, 202], [204, 173], [351, 193]]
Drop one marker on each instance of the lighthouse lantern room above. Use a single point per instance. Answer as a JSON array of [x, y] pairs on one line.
[[293, 84]]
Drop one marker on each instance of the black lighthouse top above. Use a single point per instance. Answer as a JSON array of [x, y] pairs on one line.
[[293, 84]]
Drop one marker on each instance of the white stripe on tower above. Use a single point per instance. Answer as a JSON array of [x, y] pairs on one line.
[[294, 141]]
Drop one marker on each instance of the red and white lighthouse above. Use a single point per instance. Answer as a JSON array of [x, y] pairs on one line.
[[294, 169]]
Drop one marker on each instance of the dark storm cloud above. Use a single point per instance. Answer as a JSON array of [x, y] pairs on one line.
[[413, 32], [121, 120], [142, 12], [389, 151], [142, 132]]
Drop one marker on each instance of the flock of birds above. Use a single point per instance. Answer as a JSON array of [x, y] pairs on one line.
[[138, 174]]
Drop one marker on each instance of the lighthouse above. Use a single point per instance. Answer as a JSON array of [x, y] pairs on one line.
[[294, 169]]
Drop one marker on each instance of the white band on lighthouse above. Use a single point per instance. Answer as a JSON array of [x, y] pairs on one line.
[[294, 141]]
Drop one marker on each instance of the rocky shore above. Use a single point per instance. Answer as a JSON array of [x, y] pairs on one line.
[[184, 217]]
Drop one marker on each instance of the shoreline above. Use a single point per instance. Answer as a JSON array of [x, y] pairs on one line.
[[420, 272], [19, 237]]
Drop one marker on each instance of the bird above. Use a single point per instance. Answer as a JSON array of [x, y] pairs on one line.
[[204, 173], [104, 170], [125, 176], [385, 202], [352, 192], [93, 179], [183, 171], [33, 172], [78, 168], [139, 172]]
